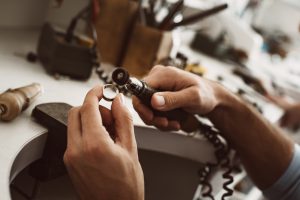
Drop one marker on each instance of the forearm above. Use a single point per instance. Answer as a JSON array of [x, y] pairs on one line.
[[265, 152]]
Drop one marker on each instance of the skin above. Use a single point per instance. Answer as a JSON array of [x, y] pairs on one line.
[[105, 168], [265, 152], [100, 167], [291, 117]]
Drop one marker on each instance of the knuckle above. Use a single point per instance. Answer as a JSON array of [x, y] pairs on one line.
[[70, 156], [170, 100], [146, 119], [156, 68], [128, 118], [73, 111], [86, 107], [174, 71], [196, 93], [93, 91], [170, 68], [90, 92]]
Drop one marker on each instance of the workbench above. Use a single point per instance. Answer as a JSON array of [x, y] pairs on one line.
[[22, 140]]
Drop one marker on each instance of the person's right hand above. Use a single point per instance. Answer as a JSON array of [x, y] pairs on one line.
[[183, 90]]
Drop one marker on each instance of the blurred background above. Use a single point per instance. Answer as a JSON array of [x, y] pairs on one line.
[[252, 47]]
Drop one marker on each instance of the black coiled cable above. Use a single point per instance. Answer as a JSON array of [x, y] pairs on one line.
[[222, 155]]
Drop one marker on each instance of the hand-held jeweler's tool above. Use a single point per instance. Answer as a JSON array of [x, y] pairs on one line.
[[14, 101], [140, 89]]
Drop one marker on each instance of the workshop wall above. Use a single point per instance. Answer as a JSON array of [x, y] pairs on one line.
[[277, 15], [20, 14]]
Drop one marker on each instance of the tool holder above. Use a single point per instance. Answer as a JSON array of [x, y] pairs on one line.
[[126, 42]]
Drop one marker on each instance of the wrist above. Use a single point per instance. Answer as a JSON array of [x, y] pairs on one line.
[[228, 112], [226, 103]]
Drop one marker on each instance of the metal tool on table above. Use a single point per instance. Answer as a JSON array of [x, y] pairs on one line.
[[14, 101]]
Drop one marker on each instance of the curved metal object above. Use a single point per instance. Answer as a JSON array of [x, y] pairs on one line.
[[110, 91]]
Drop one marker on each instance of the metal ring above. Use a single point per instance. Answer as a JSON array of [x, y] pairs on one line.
[[109, 88]]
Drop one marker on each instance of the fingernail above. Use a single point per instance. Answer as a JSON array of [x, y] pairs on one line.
[[122, 98], [160, 100]]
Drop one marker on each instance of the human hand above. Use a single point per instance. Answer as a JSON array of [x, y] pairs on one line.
[[183, 90], [100, 167], [280, 101], [291, 117]]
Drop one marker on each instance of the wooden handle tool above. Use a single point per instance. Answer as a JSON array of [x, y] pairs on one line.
[[14, 101]]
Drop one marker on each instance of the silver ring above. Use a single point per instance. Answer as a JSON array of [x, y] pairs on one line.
[[110, 91]]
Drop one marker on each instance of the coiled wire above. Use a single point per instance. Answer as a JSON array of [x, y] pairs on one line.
[[222, 155]]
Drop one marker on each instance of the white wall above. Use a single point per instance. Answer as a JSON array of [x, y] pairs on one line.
[[63, 15], [279, 15], [22, 13], [33, 13]]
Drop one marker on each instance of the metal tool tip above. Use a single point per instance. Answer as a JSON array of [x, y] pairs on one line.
[[120, 76]]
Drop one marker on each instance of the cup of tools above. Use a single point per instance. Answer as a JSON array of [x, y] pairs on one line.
[[127, 39], [146, 46]]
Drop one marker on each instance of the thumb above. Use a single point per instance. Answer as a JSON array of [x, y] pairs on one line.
[[123, 123], [166, 101]]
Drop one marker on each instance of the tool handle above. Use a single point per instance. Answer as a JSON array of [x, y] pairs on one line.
[[14, 101]]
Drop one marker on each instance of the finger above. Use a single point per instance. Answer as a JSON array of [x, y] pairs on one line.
[[143, 111], [147, 116], [158, 80], [280, 101], [296, 127], [160, 122], [166, 101], [106, 116], [74, 127], [123, 124], [90, 114], [293, 123], [173, 81], [284, 121], [165, 125], [108, 121], [174, 125]]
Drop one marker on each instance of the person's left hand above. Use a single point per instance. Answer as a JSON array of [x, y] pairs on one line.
[[100, 167]]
